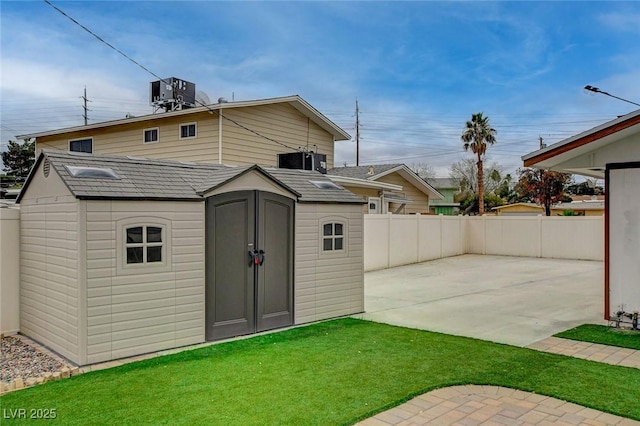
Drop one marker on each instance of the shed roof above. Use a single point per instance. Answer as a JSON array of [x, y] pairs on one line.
[[150, 179]]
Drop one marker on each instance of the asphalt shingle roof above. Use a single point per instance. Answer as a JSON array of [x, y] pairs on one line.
[[142, 178], [362, 172]]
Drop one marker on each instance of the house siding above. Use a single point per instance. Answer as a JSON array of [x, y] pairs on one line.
[[49, 264], [420, 199], [365, 193], [327, 286], [280, 122], [134, 313]]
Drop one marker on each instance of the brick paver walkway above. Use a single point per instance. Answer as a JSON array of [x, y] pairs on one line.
[[590, 351], [491, 406], [496, 406]]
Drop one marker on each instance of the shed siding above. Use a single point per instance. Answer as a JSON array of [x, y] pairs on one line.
[[327, 286], [420, 199], [131, 314], [49, 263], [281, 122]]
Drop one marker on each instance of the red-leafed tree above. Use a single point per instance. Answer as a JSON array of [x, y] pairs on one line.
[[543, 187]]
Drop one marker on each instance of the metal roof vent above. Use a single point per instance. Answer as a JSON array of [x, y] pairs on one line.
[[46, 167], [91, 172]]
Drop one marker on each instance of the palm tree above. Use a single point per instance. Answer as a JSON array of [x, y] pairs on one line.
[[477, 134]]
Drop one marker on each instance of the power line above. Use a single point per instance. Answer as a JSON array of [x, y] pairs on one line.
[[163, 80]]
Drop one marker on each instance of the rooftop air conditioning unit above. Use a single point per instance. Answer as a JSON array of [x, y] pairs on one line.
[[303, 161]]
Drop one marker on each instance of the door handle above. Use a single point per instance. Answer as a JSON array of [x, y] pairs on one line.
[[261, 256], [253, 257]]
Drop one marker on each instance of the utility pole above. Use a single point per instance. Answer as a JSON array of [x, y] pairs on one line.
[[357, 134], [84, 107]]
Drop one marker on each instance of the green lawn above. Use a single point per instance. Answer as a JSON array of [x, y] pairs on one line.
[[611, 336], [330, 373]]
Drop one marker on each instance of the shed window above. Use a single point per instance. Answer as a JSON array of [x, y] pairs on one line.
[[333, 236], [151, 135], [144, 244], [188, 130], [81, 145]]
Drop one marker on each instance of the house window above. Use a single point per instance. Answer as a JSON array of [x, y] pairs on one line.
[[151, 135], [81, 145], [144, 244], [188, 130], [333, 236]]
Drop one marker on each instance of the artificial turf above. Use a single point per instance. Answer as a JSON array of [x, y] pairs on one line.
[[330, 373], [592, 333]]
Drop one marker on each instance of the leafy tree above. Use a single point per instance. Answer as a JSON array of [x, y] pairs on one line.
[[470, 204], [477, 135], [544, 187], [19, 158]]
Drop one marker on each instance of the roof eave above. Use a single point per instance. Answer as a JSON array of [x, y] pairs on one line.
[[609, 128]]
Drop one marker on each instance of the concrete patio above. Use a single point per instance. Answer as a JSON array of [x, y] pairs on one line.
[[512, 300]]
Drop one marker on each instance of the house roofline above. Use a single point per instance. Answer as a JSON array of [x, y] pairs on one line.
[[295, 101], [416, 180], [584, 138], [363, 183]]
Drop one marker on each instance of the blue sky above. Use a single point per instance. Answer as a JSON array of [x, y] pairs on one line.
[[418, 69]]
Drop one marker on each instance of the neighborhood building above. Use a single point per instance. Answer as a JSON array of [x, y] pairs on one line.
[[387, 188], [610, 151], [577, 208], [448, 187]]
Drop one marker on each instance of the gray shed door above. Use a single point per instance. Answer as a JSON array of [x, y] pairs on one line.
[[249, 263]]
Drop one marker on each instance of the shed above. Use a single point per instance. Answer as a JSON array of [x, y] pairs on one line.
[[122, 256], [610, 151]]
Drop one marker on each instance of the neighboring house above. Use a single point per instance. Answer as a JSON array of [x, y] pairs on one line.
[[392, 188], [122, 256], [610, 151], [582, 208], [448, 188], [233, 133]]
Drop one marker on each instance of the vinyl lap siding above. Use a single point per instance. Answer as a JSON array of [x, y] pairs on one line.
[[128, 140], [420, 199], [281, 122], [130, 314], [49, 295], [327, 286]]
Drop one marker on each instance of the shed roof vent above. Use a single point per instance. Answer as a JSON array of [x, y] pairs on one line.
[[91, 172], [324, 184]]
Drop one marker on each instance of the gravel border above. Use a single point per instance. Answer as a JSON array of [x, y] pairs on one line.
[[24, 363]]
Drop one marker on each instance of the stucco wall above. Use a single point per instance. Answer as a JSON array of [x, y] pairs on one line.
[[327, 285], [9, 271], [624, 240]]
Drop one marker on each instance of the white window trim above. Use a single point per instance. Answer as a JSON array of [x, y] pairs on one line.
[[188, 124], [124, 268], [344, 252], [144, 131], [80, 139]]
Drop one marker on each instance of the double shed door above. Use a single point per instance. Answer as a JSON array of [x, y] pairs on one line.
[[249, 263]]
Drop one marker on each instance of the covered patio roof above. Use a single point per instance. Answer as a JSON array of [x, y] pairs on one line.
[[588, 152]]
